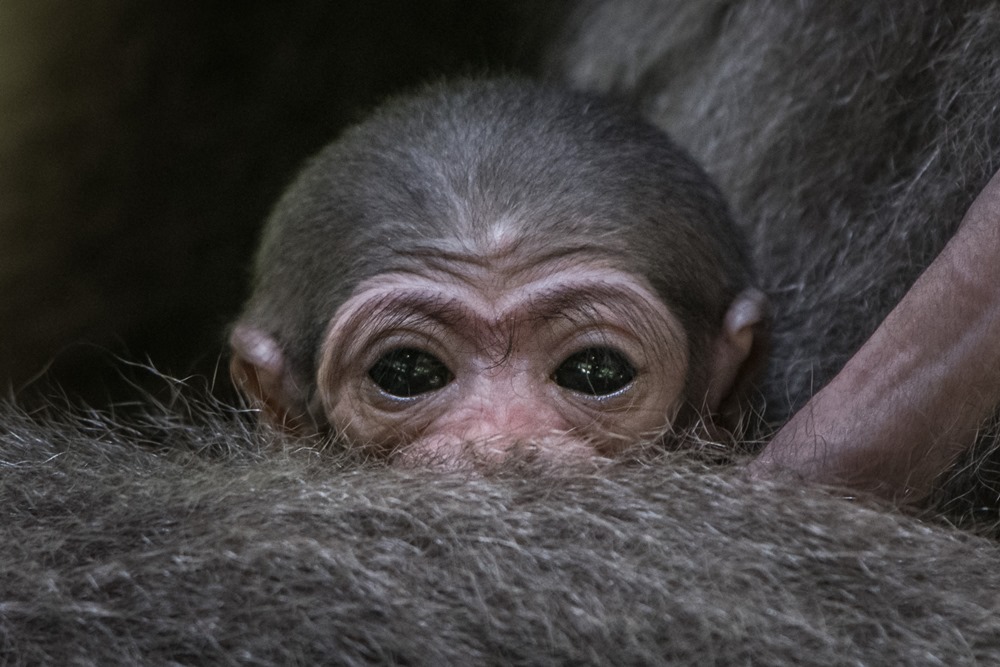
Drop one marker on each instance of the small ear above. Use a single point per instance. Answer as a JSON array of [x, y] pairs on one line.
[[259, 369], [739, 353]]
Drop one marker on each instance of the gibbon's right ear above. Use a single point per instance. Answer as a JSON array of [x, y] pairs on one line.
[[259, 370]]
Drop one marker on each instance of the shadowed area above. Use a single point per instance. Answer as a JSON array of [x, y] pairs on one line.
[[141, 147]]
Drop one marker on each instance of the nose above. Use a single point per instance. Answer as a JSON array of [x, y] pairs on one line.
[[453, 453], [501, 430]]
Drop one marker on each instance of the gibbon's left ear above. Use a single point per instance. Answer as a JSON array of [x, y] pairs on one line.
[[739, 354]]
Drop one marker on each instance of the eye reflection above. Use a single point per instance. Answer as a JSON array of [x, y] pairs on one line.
[[597, 371], [407, 372]]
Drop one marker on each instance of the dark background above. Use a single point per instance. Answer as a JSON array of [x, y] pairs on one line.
[[142, 144]]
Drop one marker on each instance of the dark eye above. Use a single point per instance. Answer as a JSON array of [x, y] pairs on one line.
[[408, 372], [597, 371]]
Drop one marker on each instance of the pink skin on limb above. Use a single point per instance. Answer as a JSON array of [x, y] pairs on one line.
[[912, 398]]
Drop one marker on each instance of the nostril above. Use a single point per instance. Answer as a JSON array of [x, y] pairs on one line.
[[490, 452]]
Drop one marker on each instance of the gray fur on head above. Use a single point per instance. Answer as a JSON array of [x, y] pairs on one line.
[[446, 164]]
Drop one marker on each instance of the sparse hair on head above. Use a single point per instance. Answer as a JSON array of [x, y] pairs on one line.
[[448, 164]]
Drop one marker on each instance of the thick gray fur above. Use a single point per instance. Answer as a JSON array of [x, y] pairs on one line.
[[206, 549]]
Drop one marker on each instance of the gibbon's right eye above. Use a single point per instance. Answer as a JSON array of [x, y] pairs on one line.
[[407, 372]]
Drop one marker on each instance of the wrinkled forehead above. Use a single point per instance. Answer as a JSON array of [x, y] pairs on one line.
[[509, 246]]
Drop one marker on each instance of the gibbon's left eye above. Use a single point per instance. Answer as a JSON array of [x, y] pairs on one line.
[[597, 371], [407, 372]]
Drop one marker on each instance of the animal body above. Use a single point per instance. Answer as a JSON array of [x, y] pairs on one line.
[[215, 544], [184, 535]]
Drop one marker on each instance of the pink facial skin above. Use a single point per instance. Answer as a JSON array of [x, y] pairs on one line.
[[502, 324]]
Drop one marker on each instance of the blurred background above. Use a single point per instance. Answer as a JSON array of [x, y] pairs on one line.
[[142, 145]]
